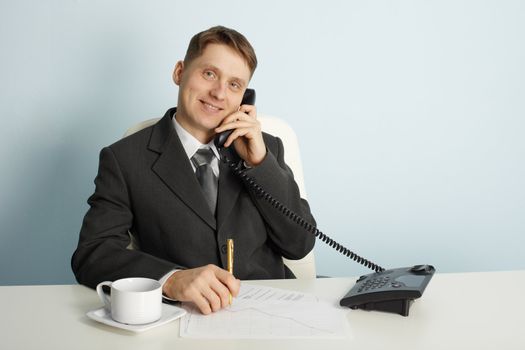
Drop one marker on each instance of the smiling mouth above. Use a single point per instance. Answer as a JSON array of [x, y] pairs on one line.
[[210, 107]]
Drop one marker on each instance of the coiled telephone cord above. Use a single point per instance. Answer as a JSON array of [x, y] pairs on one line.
[[260, 192]]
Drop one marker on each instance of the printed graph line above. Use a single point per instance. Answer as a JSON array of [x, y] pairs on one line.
[[284, 318], [189, 315], [291, 319]]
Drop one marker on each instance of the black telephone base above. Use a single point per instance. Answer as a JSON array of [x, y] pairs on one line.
[[391, 290], [400, 306]]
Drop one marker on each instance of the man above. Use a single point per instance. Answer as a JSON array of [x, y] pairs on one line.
[[150, 187]]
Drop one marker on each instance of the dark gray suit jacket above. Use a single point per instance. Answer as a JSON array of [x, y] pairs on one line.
[[145, 184]]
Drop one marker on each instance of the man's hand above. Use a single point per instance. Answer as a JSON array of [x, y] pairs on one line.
[[209, 287], [247, 136]]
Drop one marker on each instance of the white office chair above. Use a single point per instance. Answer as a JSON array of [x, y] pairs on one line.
[[305, 267]]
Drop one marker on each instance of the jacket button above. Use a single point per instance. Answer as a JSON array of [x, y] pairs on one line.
[[223, 249]]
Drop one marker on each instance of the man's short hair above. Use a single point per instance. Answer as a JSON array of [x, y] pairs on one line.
[[225, 36]]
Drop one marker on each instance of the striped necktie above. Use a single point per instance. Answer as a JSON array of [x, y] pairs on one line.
[[207, 179]]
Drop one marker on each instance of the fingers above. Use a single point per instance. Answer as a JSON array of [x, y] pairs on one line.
[[229, 121], [213, 298], [244, 125], [234, 286], [231, 283], [246, 112], [247, 135], [237, 124], [227, 285], [209, 287], [251, 110], [240, 132], [202, 303]]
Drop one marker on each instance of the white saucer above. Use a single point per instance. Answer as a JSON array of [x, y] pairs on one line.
[[169, 313]]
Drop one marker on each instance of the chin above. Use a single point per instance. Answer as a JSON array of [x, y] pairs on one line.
[[208, 123]]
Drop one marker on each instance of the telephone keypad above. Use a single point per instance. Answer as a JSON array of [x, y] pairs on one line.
[[375, 283]]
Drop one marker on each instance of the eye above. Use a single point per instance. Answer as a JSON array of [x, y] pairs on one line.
[[235, 85], [208, 74]]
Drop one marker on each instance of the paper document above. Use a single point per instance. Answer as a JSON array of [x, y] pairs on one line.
[[265, 312]]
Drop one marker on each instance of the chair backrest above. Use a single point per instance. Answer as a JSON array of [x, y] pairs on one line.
[[305, 267]]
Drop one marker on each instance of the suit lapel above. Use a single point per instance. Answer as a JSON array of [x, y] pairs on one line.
[[174, 168], [229, 188]]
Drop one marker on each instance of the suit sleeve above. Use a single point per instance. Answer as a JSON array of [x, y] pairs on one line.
[[102, 252], [276, 178]]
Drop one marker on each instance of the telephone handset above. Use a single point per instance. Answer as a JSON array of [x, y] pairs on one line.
[[385, 290], [247, 99]]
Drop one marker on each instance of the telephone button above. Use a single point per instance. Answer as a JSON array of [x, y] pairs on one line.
[[361, 278], [396, 285], [422, 269], [376, 283]]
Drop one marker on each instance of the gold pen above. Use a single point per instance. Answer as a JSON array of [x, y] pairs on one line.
[[230, 259]]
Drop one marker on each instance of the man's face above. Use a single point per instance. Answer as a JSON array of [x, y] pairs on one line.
[[210, 88]]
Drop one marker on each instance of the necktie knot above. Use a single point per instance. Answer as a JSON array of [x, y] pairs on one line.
[[202, 156]]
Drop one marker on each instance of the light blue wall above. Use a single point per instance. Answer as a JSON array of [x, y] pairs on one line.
[[410, 116]]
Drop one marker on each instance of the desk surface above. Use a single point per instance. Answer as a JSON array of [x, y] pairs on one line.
[[458, 311]]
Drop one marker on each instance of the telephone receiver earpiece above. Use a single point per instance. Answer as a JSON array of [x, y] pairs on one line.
[[247, 99]]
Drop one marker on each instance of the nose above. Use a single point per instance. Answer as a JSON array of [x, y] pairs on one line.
[[218, 91]]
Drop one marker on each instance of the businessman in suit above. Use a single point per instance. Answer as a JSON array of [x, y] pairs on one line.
[[149, 189]]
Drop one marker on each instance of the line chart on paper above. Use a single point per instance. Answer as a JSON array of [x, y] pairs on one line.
[[264, 312]]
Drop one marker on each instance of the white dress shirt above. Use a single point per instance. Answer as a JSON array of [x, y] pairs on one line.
[[191, 145]]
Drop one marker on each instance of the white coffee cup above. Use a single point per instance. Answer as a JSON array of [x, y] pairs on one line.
[[133, 300]]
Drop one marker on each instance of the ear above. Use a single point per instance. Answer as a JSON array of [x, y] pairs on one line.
[[177, 72]]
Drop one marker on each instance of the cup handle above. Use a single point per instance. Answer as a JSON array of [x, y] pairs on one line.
[[103, 296]]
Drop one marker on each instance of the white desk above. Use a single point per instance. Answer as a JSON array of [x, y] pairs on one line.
[[457, 311]]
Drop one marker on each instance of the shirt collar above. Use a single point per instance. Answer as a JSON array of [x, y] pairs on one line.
[[190, 143]]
